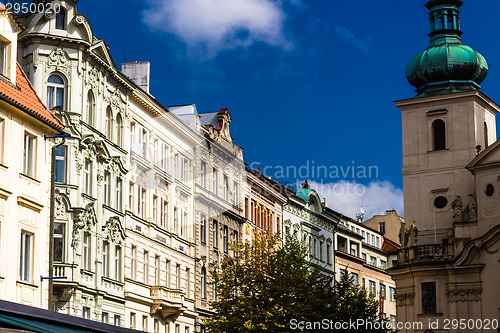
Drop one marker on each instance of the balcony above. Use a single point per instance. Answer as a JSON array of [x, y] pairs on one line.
[[429, 252], [167, 302]]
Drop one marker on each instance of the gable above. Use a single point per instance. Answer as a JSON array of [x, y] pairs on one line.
[[100, 49], [490, 157]]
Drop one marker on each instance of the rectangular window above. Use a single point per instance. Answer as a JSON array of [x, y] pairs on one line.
[[203, 175], [392, 294], [29, 154], [226, 239], [178, 277], [145, 267], [105, 259], [382, 227], [167, 273], [142, 202], [236, 194], [428, 297], [107, 178], [119, 190], [164, 213], [58, 243], [354, 279], [215, 181], [156, 146], [117, 320], [383, 264], [144, 141], [104, 317], [3, 58], [133, 262], [157, 270], [235, 240], [215, 234], [86, 312], [328, 253], [60, 164], [155, 208], [382, 290], [203, 228], [145, 323], [188, 283], [87, 180], [372, 287], [226, 188], [86, 251], [118, 263], [26, 254], [131, 196], [132, 320]]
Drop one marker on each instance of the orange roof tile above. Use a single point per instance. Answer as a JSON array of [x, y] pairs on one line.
[[24, 96], [2, 10]]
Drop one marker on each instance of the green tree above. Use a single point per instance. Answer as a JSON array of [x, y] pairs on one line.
[[268, 285]]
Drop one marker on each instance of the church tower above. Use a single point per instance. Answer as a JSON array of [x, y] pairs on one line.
[[444, 126]]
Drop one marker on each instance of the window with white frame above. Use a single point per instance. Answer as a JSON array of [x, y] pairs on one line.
[[58, 242], [392, 294], [144, 143], [3, 57], [26, 256], [226, 188], [61, 19], [86, 251], [60, 164], [145, 267], [167, 273], [203, 228], [119, 190], [215, 181], [372, 287], [118, 263], [203, 174], [236, 194], [164, 212], [203, 283], [157, 270], [55, 91], [226, 239], [87, 178], [131, 195], [215, 233], [178, 277], [29, 156], [105, 258], [89, 115], [133, 262], [155, 208], [188, 283], [109, 123], [119, 130], [107, 180]]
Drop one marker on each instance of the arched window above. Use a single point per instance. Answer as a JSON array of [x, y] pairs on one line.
[[61, 19], [485, 135], [55, 91], [119, 130], [439, 134], [203, 286], [89, 116], [109, 123]]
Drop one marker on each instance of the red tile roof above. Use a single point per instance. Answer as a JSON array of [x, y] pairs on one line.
[[389, 246], [24, 96], [2, 10]]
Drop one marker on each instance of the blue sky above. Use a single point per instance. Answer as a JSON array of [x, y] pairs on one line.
[[304, 80]]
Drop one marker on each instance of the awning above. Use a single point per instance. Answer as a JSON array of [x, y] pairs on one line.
[[35, 326]]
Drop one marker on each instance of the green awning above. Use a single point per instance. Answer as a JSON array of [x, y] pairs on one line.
[[35, 326]]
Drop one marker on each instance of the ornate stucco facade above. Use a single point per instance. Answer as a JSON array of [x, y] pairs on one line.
[[73, 72]]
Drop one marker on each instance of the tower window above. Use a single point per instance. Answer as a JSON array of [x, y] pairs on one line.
[[485, 135], [490, 189], [440, 202], [55, 91], [439, 134], [429, 297], [61, 19]]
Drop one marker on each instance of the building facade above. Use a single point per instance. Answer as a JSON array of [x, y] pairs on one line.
[[25, 177], [75, 75], [448, 263]]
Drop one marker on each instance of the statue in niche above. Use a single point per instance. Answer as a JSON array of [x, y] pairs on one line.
[[457, 206], [413, 234], [403, 235], [473, 208]]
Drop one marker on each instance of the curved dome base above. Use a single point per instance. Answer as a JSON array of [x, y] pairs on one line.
[[446, 87]]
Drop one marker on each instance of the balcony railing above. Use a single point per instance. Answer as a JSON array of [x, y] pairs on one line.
[[429, 252], [168, 303]]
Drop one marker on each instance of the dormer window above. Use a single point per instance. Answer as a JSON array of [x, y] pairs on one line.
[[3, 58], [55, 91], [61, 19]]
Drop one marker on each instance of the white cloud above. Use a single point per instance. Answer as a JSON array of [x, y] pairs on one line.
[[348, 197], [215, 25], [362, 44]]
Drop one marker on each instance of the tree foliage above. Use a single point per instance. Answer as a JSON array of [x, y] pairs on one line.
[[268, 285]]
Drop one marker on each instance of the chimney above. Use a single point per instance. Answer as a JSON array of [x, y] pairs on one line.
[[139, 72]]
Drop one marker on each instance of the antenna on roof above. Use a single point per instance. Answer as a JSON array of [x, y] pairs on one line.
[[361, 215]]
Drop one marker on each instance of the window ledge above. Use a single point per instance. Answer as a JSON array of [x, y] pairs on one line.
[[22, 175], [86, 272], [3, 167], [27, 284]]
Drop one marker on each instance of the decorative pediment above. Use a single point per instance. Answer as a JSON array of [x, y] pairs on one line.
[[113, 230], [92, 78], [61, 206], [488, 158], [84, 219], [100, 49]]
